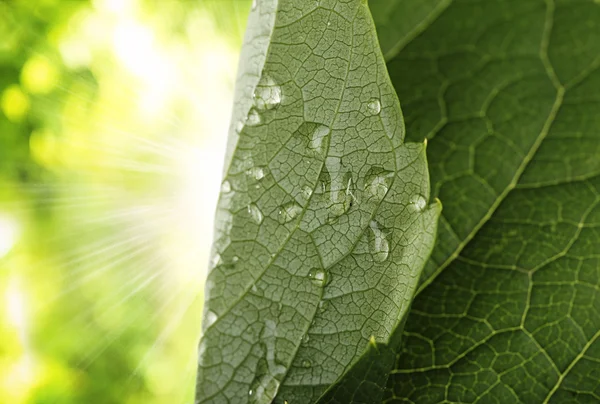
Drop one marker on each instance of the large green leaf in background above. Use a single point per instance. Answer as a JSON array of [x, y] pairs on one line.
[[400, 21], [323, 225], [508, 94]]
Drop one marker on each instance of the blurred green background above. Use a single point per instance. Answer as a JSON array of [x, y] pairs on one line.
[[113, 121]]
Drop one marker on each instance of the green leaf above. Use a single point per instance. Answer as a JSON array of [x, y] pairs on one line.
[[400, 21], [508, 94], [322, 226]]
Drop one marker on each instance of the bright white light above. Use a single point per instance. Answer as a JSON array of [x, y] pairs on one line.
[[8, 235], [115, 6], [15, 305], [140, 53]]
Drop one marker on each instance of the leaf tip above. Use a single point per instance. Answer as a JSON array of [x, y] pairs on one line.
[[372, 341]]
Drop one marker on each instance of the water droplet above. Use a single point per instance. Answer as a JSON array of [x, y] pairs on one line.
[[254, 288], [318, 139], [253, 118], [306, 363], [239, 126], [226, 187], [319, 276], [323, 304], [324, 182], [374, 106], [201, 352], [304, 340], [215, 260], [263, 389], [289, 212], [254, 3], [235, 259], [307, 191], [258, 173], [265, 385], [255, 213], [377, 182], [314, 136], [341, 187], [418, 203], [380, 247], [267, 94], [210, 318]]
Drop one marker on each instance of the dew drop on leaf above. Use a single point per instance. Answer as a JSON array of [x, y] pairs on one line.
[[341, 187], [215, 260], [318, 139], [253, 118], [374, 106], [315, 137], [258, 173], [304, 340], [226, 187], [210, 318], [267, 94], [255, 213], [254, 3], [306, 363], [418, 203], [263, 390], [380, 247], [319, 276], [239, 126], [289, 212], [307, 191], [377, 182]]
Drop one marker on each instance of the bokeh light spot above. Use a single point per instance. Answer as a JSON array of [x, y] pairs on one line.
[[14, 103]]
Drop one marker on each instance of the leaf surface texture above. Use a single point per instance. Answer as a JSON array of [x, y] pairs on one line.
[[507, 92], [323, 224]]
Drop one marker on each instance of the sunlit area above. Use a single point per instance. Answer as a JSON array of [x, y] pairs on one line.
[[113, 123]]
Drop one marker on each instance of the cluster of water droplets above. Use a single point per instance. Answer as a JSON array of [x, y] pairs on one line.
[[267, 95]]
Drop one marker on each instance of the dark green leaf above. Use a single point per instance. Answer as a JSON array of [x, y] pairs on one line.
[[400, 21], [507, 92]]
